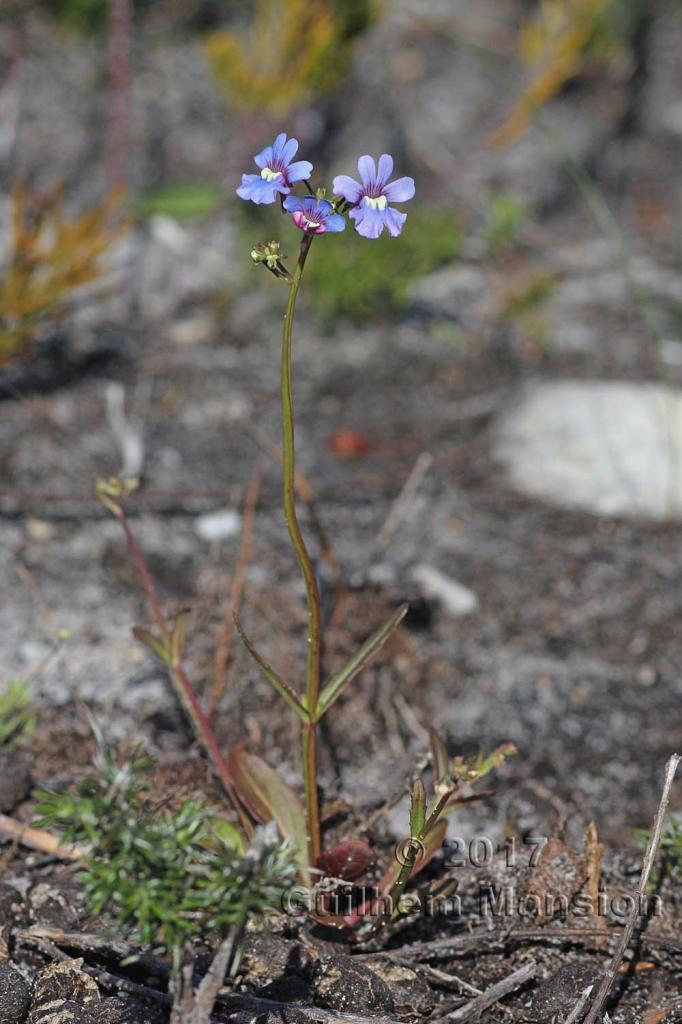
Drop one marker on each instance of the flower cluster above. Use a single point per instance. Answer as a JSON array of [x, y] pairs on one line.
[[366, 201]]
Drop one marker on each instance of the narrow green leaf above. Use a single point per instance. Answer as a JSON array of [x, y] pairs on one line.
[[153, 643], [430, 846], [282, 688], [439, 755], [268, 797], [179, 634], [335, 685], [417, 808]]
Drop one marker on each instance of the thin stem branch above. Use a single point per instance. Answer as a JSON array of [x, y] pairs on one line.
[[312, 688], [179, 677]]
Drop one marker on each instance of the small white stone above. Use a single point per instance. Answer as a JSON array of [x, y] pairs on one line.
[[455, 598], [218, 525], [613, 448]]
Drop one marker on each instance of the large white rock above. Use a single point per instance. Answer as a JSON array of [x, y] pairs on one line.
[[609, 447]]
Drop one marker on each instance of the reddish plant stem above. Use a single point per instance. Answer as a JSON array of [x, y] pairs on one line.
[[120, 31], [202, 725]]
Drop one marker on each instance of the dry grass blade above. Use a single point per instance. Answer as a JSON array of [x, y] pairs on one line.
[[222, 655]]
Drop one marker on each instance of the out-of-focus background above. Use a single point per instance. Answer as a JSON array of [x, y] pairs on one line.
[[488, 407]]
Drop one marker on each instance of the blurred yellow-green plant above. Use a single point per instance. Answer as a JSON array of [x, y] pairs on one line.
[[51, 255], [17, 720], [291, 50], [552, 46]]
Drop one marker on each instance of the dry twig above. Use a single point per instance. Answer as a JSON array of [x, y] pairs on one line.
[[579, 1008], [407, 493], [37, 839], [647, 864], [236, 590], [492, 995]]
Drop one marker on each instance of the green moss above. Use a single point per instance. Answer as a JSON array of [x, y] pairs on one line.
[[363, 280]]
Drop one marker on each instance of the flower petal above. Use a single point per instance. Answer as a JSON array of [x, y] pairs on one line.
[[350, 189], [258, 190], [384, 170], [293, 204], [299, 171], [335, 223], [289, 152], [367, 171], [400, 190], [278, 145], [299, 219], [368, 222], [394, 220], [324, 207], [264, 158]]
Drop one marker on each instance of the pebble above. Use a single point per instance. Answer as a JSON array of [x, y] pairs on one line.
[[214, 526], [14, 996], [343, 984], [456, 599], [64, 980], [15, 782], [412, 995], [555, 997]]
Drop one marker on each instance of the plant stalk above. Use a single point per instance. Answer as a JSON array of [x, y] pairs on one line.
[[312, 687]]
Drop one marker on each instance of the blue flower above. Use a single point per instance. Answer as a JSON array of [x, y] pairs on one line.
[[371, 195], [277, 172], [313, 215]]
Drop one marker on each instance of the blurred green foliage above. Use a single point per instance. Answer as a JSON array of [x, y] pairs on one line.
[[192, 200], [670, 853], [366, 280], [504, 218], [17, 720], [87, 16]]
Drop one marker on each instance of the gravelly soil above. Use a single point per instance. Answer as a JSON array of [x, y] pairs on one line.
[[573, 652]]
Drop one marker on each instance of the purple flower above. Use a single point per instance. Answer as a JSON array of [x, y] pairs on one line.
[[314, 215], [277, 172], [370, 199]]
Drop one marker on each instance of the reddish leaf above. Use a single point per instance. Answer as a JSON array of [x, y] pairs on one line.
[[268, 797], [348, 444], [347, 860]]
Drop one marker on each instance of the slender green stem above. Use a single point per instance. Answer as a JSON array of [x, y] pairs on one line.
[[312, 688]]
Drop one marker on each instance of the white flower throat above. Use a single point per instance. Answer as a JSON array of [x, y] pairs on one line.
[[376, 202], [269, 174]]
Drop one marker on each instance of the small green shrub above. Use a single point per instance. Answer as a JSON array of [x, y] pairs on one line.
[[168, 878], [163, 877], [365, 283]]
